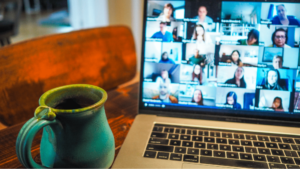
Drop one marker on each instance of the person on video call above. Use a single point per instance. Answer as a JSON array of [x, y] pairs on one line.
[[272, 80], [197, 74], [253, 38], [202, 16], [231, 99], [199, 35], [165, 58], [164, 77], [235, 58], [197, 97], [277, 62], [283, 19], [163, 33], [277, 104], [280, 38], [176, 38], [238, 78], [166, 15], [197, 59], [164, 94]]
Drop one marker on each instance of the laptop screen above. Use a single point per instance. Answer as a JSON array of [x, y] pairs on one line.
[[230, 57]]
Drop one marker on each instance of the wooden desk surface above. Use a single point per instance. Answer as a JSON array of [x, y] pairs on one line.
[[121, 109]]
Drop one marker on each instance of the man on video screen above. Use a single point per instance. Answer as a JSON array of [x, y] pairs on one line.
[[202, 15], [164, 94], [163, 33]]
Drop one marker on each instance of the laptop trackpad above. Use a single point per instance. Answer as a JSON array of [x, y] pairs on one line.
[[190, 166]]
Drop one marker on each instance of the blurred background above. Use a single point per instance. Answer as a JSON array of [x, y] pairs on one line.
[[27, 19]]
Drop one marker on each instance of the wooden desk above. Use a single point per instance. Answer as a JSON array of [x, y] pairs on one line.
[[121, 109]]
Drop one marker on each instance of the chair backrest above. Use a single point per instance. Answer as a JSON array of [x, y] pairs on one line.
[[103, 57], [11, 11]]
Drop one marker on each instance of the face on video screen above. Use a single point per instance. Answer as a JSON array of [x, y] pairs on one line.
[[222, 55]]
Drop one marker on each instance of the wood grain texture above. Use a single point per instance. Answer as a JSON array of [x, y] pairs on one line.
[[103, 57], [121, 109]]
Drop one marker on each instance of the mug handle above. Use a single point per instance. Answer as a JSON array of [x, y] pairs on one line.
[[43, 116]]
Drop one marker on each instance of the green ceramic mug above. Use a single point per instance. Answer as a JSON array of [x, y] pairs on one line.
[[76, 133]]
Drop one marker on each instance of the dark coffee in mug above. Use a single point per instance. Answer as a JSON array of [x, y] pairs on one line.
[[75, 103]]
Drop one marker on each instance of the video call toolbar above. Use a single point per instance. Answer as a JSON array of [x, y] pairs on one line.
[[245, 57]]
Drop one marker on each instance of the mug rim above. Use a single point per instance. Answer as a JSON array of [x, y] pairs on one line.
[[97, 104]]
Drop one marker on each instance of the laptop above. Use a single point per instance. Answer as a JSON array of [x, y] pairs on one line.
[[219, 86]]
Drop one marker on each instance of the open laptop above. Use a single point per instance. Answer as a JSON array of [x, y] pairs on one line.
[[219, 86]]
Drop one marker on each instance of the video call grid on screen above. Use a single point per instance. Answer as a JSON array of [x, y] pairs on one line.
[[199, 54]]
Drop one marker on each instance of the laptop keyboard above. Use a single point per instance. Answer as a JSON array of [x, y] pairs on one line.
[[223, 147]]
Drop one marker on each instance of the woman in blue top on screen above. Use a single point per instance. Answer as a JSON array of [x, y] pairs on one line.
[[163, 33], [166, 15], [280, 38], [231, 99], [165, 58], [238, 78], [197, 97], [272, 81], [283, 19]]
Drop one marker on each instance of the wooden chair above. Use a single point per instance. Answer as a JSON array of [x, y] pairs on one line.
[[103, 57], [10, 11]]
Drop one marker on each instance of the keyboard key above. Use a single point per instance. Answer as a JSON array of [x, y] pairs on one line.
[[215, 134], [180, 150], [158, 141], [160, 148], [272, 145], [187, 144], [212, 146], [275, 139], [284, 146], [193, 132], [297, 161], [222, 140], [246, 143], [176, 157], [250, 150], [277, 152], [203, 133], [259, 157], [161, 155], [180, 131], [225, 147], [238, 148], [219, 153], [150, 154], [239, 136], [258, 144], [276, 166], [292, 166], [169, 130], [157, 129], [191, 158], [251, 137], [287, 160], [199, 145], [159, 135], [193, 151], [206, 153], [264, 151], [296, 147], [235, 142], [175, 142], [232, 155], [185, 137], [209, 139], [232, 162], [273, 159], [245, 156], [297, 140], [173, 136], [288, 140], [227, 135], [197, 138], [290, 153], [263, 138]]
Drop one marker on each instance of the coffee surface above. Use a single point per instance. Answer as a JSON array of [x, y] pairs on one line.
[[75, 103]]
